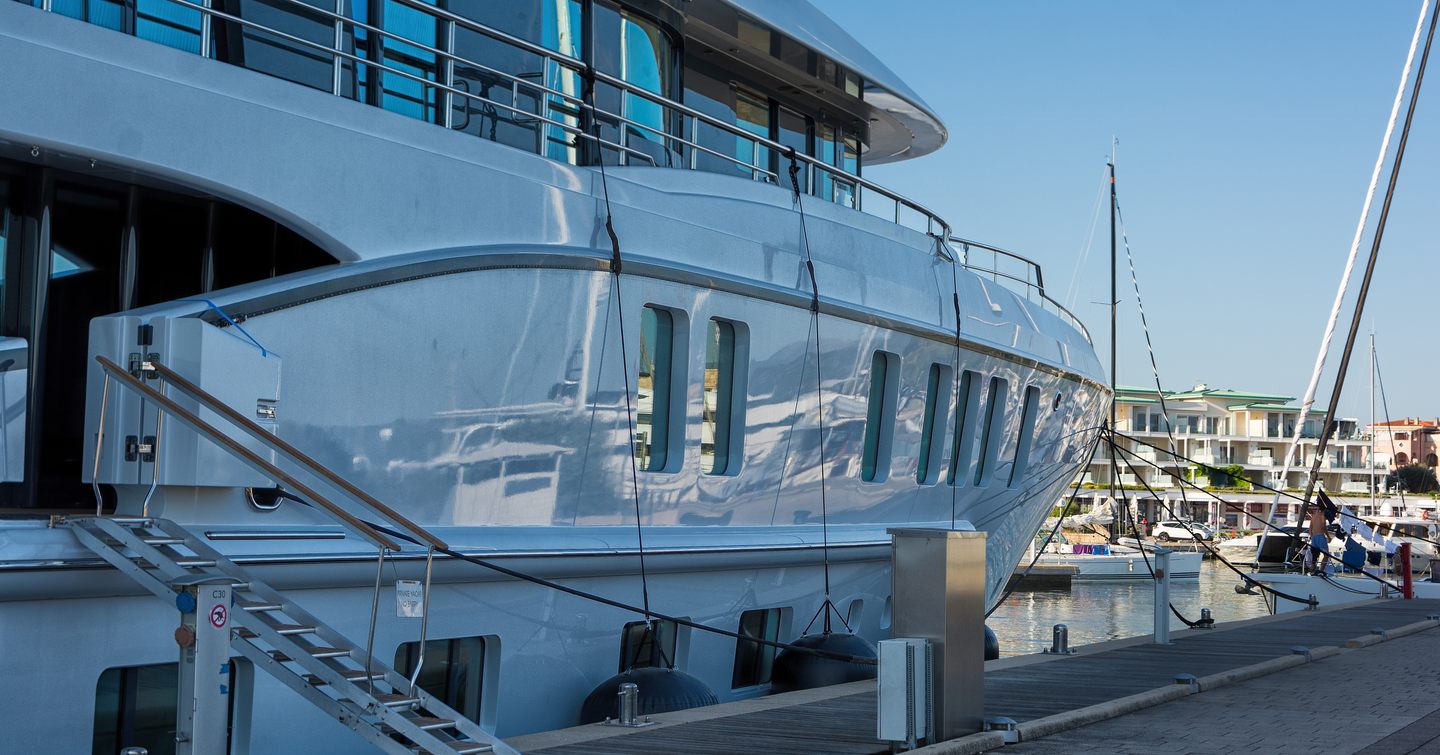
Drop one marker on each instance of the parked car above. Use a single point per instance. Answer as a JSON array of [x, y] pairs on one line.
[[1177, 530]]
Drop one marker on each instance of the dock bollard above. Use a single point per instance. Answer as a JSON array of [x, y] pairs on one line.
[[1311, 605], [1006, 726], [1060, 641], [1207, 620], [134, 751], [629, 699]]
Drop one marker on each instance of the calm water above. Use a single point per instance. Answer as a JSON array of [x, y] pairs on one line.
[[1099, 612]]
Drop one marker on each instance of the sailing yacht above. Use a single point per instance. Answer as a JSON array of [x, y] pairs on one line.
[[301, 297]]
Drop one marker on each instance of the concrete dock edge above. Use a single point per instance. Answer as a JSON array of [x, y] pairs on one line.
[[1044, 727], [984, 741]]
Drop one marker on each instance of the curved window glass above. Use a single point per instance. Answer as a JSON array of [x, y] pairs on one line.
[[638, 51]]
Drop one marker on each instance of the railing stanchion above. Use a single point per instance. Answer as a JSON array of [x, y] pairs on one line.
[[424, 618], [207, 32], [337, 74], [450, 74], [99, 445], [154, 464], [374, 612]]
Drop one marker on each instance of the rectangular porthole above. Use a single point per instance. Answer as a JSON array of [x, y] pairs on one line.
[[454, 671], [652, 411], [1026, 441], [932, 434], [135, 706], [721, 426], [967, 411], [640, 648], [880, 417], [753, 660], [990, 430]]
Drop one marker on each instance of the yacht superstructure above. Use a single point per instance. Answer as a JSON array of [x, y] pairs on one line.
[[380, 231]]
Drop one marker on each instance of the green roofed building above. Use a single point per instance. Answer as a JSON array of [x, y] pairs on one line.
[[1224, 438]]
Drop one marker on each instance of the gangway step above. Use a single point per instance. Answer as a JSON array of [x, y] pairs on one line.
[[315, 652], [349, 676], [428, 723]]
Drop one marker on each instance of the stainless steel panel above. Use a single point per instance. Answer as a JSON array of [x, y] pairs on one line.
[[938, 584]]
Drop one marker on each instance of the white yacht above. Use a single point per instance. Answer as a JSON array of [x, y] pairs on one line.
[[300, 296]]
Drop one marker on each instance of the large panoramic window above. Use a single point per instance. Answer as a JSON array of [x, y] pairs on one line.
[[652, 423], [752, 113], [638, 51], [453, 671]]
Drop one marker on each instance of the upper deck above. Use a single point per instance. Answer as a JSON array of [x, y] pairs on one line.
[[744, 88]]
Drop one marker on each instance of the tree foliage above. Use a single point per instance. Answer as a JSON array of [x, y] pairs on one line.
[[1417, 478]]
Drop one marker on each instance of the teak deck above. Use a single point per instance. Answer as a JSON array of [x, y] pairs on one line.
[[846, 723]]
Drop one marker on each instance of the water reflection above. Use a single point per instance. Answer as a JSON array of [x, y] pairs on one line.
[[1100, 612]]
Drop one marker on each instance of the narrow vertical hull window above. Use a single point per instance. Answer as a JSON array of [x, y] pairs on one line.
[[719, 398], [652, 415], [1025, 443], [932, 435], [990, 430], [967, 412], [880, 417]]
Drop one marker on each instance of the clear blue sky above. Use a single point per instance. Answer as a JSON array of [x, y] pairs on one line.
[[1248, 131]]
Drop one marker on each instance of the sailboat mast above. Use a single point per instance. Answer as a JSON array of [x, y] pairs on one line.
[[1372, 421], [1114, 296]]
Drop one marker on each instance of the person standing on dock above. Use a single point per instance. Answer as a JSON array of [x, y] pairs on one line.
[[1319, 551]]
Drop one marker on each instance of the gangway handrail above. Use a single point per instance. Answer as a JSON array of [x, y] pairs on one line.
[[256, 461], [293, 454]]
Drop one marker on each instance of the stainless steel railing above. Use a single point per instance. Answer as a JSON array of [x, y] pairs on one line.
[[1016, 272], [566, 117]]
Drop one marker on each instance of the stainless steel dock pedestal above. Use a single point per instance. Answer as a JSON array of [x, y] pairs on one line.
[[938, 584]]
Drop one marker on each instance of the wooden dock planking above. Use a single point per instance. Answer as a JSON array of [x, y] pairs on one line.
[[846, 724]]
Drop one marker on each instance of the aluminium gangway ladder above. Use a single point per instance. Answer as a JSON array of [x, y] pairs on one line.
[[262, 624]]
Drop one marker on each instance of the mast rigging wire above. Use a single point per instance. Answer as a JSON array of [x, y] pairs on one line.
[[828, 605], [615, 266]]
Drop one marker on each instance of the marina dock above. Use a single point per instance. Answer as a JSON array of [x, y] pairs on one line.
[[1044, 695]]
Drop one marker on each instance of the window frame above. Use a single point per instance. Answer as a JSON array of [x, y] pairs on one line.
[[485, 674], [731, 389], [671, 364], [967, 408], [996, 395], [1025, 439], [935, 423], [754, 662], [876, 453]]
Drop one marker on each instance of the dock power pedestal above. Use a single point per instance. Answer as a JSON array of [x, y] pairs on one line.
[[938, 589]]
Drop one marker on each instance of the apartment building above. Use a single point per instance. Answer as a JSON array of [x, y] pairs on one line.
[[1249, 433], [1405, 441]]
